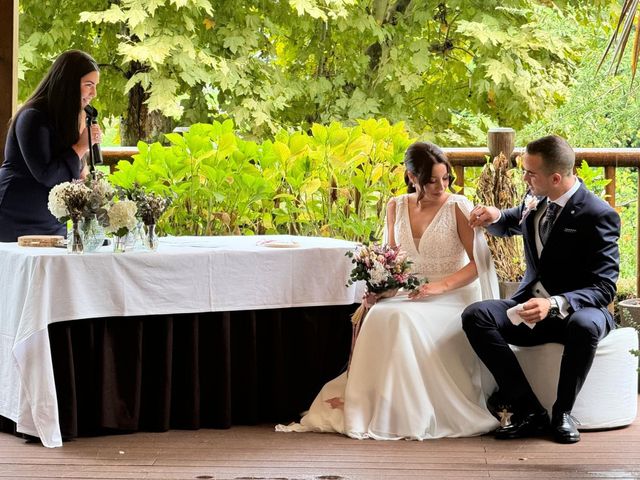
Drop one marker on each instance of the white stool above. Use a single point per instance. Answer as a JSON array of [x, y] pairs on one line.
[[609, 396]]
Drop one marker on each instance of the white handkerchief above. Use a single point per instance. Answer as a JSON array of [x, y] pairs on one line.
[[515, 317]]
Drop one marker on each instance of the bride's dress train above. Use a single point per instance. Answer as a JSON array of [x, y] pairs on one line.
[[413, 373]]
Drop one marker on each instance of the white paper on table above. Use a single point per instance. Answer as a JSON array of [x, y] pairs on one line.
[[516, 319]]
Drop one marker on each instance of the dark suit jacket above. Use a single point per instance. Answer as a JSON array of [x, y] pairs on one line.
[[580, 260], [34, 162]]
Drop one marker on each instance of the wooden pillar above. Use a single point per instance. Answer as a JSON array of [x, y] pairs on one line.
[[610, 189], [8, 66], [638, 236], [501, 140]]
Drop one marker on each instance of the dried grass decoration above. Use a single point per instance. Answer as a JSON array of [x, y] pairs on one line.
[[500, 185]]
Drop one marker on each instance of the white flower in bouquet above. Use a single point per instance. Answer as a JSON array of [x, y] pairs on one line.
[[378, 273], [102, 189], [122, 217], [68, 200], [56, 204]]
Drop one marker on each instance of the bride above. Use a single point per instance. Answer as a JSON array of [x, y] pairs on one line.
[[413, 374]]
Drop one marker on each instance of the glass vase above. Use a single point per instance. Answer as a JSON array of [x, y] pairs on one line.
[[93, 234], [137, 237], [74, 238], [150, 237], [122, 243]]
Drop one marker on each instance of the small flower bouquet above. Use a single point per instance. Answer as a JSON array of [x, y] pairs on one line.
[[101, 195], [68, 201], [150, 206], [122, 220], [382, 268]]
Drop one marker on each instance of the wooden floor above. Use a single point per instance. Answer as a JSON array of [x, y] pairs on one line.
[[261, 453]]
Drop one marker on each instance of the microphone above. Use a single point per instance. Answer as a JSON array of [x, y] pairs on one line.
[[95, 155]]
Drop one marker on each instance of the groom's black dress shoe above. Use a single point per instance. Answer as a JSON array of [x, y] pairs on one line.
[[565, 428], [524, 425]]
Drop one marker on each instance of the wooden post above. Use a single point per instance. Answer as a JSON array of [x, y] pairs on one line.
[[638, 235], [501, 140], [8, 66], [610, 189]]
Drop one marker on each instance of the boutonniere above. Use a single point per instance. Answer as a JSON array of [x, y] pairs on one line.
[[530, 204]]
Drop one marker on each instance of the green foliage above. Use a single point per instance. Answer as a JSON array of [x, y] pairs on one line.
[[593, 179], [333, 181], [600, 111], [449, 70], [627, 206]]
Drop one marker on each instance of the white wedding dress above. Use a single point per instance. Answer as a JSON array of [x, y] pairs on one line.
[[413, 374]]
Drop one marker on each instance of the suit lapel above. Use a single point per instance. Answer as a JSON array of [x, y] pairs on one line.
[[572, 207], [530, 237]]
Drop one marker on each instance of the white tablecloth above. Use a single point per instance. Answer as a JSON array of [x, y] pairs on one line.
[[39, 286]]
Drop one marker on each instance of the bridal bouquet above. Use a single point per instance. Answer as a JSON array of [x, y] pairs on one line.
[[382, 268]]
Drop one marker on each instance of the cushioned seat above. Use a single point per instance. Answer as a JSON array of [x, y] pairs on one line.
[[609, 397]]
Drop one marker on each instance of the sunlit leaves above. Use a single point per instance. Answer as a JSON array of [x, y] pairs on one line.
[[447, 73], [332, 182]]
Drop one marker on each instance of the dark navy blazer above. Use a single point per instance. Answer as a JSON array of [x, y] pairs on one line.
[[580, 260], [34, 162]]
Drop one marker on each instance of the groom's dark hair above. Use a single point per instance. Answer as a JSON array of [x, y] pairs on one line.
[[556, 153]]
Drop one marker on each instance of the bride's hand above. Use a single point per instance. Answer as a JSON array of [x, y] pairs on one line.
[[427, 290], [369, 299]]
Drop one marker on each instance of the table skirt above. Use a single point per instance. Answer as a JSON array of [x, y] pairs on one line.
[[189, 371]]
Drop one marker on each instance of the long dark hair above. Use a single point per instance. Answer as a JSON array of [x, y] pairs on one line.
[[58, 94], [419, 159]]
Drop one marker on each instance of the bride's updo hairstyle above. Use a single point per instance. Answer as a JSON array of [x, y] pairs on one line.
[[419, 159]]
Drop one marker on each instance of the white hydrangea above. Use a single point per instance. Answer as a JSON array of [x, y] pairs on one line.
[[378, 274], [56, 203], [122, 215]]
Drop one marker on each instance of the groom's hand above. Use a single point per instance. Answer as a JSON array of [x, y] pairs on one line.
[[482, 216], [535, 309]]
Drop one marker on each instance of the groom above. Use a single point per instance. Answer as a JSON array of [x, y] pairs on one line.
[[570, 242]]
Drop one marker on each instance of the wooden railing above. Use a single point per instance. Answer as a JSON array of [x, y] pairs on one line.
[[609, 158]]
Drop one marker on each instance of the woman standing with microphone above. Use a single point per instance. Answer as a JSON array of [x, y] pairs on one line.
[[46, 143]]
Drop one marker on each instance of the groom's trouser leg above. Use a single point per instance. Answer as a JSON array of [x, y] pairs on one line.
[[580, 333], [490, 332]]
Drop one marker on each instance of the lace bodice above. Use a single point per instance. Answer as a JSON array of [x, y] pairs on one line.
[[439, 252]]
